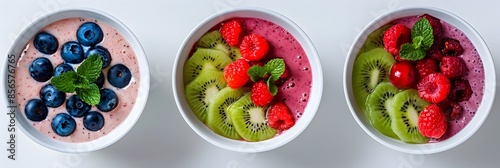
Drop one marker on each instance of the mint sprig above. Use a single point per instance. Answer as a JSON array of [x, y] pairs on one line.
[[422, 39], [82, 81], [270, 72]]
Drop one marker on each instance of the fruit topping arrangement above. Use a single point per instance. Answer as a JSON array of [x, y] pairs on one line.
[[78, 81], [409, 82], [231, 84]]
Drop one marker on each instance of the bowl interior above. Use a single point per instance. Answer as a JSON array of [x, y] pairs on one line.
[[242, 146], [30, 31], [489, 81]]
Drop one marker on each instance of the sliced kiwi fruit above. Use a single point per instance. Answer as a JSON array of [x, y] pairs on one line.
[[200, 91], [203, 59], [250, 120], [370, 68], [406, 107], [379, 103], [214, 40], [218, 118], [374, 39]]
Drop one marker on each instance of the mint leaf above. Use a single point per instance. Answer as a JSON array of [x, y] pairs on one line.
[[90, 68], [273, 89], [90, 94], [417, 42], [409, 52], [424, 29], [256, 73], [275, 67], [65, 82]]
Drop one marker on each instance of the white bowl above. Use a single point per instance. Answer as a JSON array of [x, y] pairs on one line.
[[236, 145], [117, 133], [489, 82]]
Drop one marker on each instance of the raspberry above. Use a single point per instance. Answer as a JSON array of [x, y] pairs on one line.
[[437, 27], [435, 54], [254, 47], [451, 47], [434, 88], [451, 109], [260, 94], [279, 117], [236, 73], [452, 67], [232, 31], [460, 90], [432, 122], [426, 66], [394, 37]]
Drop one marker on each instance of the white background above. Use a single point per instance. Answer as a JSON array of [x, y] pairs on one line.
[[161, 138]]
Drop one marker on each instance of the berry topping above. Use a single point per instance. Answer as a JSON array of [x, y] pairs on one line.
[[236, 73], [437, 27], [432, 122], [35, 110], [395, 36], [232, 32], [460, 90], [89, 34], [451, 47], [426, 66], [45, 43], [279, 117], [260, 94], [254, 47], [61, 68], [453, 67], [51, 96], [93, 121], [435, 54], [72, 52], [100, 80], [41, 69], [63, 124], [108, 100], [76, 107], [451, 109], [101, 51], [434, 88], [403, 75], [119, 75]]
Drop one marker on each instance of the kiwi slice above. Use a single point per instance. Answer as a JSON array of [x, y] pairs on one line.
[[203, 59], [374, 39], [218, 118], [214, 40], [406, 107], [370, 68], [379, 103], [200, 91], [250, 120]]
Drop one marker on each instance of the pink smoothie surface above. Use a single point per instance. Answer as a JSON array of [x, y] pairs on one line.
[[475, 75], [121, 53]]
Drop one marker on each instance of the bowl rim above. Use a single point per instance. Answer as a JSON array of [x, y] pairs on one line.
[[238, 145], [467, 131], [122, 129]]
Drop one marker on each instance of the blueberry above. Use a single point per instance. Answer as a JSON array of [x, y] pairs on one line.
[[76, 107], [93, 121], [51, 96], [103, 52], [100, 80], [119, 75], [46, 43], [72, 52], [41, 69], [108, 101], [89, 34], [36, 110], [61, 68], [63, 124]]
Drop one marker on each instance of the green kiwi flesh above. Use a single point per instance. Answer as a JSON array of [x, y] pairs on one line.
[[250, 120], [374, 39], [218, 118], [214, 40], [379, 103], [200, 91], [203, 59], [406, 108]]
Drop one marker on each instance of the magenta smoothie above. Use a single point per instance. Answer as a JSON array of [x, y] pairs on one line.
[[65, 30]]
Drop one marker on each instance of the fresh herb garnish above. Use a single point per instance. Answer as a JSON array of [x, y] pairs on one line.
[[270, 72], [422, 39]]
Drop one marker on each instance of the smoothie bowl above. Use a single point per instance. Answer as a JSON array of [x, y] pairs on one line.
[[419, 80], [247, 80], [77, 79]]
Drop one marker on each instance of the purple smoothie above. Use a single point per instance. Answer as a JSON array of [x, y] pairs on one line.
[[475, 75]]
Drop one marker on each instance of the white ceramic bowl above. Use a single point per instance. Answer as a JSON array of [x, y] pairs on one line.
[[489, 82], [236, 145], [111, 137]]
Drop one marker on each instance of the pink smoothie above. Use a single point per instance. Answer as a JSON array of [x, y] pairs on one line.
[[65, 30], [475, 75]]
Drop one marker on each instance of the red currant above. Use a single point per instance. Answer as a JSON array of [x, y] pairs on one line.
[[403, 75]]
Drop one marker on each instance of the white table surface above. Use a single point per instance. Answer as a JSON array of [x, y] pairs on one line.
[[161, 138]]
